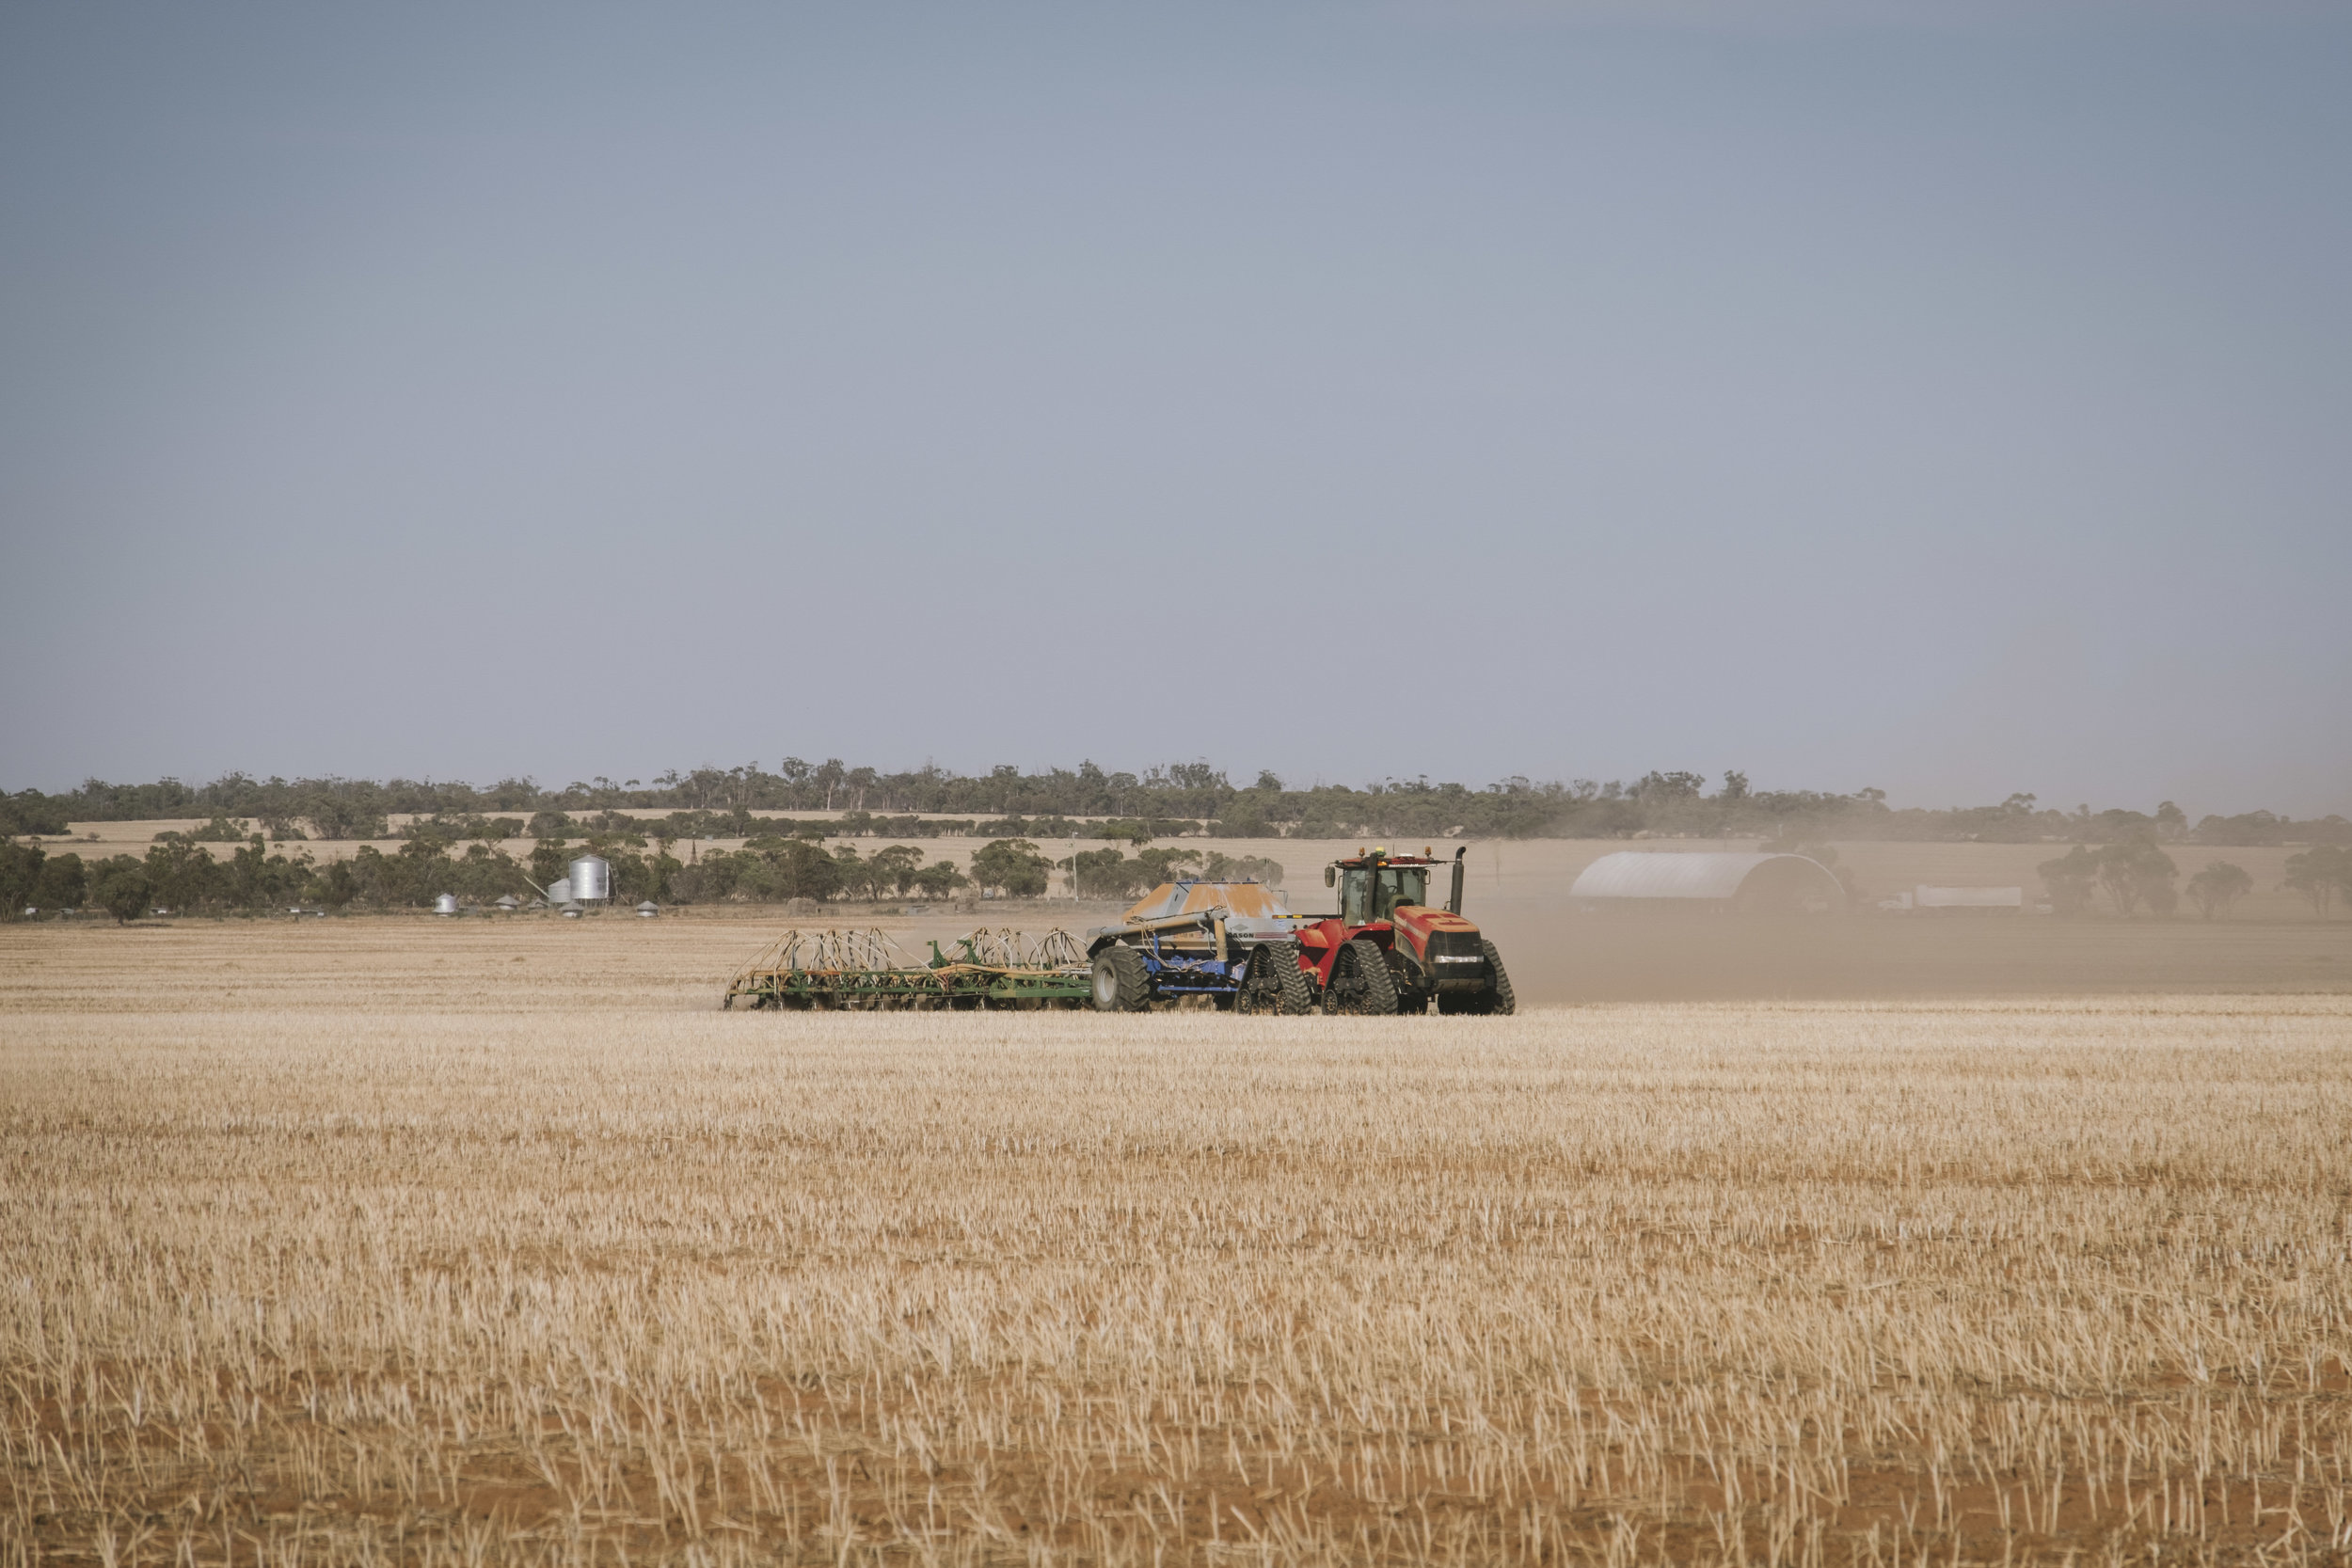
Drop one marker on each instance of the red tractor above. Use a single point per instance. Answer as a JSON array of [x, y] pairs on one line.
[[1386, 951]]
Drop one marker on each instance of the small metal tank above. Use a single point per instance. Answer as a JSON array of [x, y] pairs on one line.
[[591, 879], [445, 904]]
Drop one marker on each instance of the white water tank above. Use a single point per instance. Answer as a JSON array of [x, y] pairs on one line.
[[591, 879], [445, 904]]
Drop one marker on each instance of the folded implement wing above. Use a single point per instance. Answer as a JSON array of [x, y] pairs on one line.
[[867, 971]]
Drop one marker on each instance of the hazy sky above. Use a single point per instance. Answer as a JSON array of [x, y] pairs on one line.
[[1950, 398]]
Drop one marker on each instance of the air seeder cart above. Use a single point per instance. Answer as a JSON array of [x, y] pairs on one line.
[[1186, 940]]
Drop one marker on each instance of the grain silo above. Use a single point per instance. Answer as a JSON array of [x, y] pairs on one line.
[[591, 879]]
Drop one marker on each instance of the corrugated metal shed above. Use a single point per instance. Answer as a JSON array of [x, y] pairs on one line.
[[1717, 876]]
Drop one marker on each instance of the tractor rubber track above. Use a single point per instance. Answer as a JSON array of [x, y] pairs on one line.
[[1276, 984], [1361, 982]]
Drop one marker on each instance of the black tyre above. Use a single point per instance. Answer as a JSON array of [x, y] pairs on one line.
[[1274, 983], [1121, 984], [1361, 982]]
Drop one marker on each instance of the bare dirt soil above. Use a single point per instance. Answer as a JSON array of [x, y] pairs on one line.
[[404, 1240]]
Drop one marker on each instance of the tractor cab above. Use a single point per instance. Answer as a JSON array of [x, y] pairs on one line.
[[1372, 887], [1375, 884]]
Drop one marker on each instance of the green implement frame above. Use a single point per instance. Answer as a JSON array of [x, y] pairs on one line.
[[867, 971]]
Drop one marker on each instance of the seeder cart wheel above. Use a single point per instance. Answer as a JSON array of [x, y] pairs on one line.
[[1121, 984]]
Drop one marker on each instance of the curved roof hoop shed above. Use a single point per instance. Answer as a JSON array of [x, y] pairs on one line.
[[1779, 884]]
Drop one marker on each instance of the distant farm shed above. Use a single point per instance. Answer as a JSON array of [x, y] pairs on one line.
[[2001, 900], [1664, 880]]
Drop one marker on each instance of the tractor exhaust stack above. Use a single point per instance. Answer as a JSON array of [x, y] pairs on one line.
[[1454, 899]]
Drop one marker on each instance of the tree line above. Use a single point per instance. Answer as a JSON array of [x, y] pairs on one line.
[[179, 874], [2136, 874], [1160, 802]]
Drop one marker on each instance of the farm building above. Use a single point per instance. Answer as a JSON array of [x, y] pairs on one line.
[[1998, 900], [1924, 899], [1747, 883]]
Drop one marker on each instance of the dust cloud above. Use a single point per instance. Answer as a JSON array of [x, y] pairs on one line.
[[1557, 954]]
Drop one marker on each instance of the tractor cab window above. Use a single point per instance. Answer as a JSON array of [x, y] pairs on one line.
[[1366, 895], [1402, 885]]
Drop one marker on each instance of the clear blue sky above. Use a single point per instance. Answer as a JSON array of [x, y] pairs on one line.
[[1950, 398]]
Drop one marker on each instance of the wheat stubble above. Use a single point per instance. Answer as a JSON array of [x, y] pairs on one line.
[[365, 1271]]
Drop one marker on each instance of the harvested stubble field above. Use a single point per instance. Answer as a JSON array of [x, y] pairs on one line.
[[374, 1244]]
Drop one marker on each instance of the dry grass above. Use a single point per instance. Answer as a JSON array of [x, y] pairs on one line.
[[353, 1253]]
